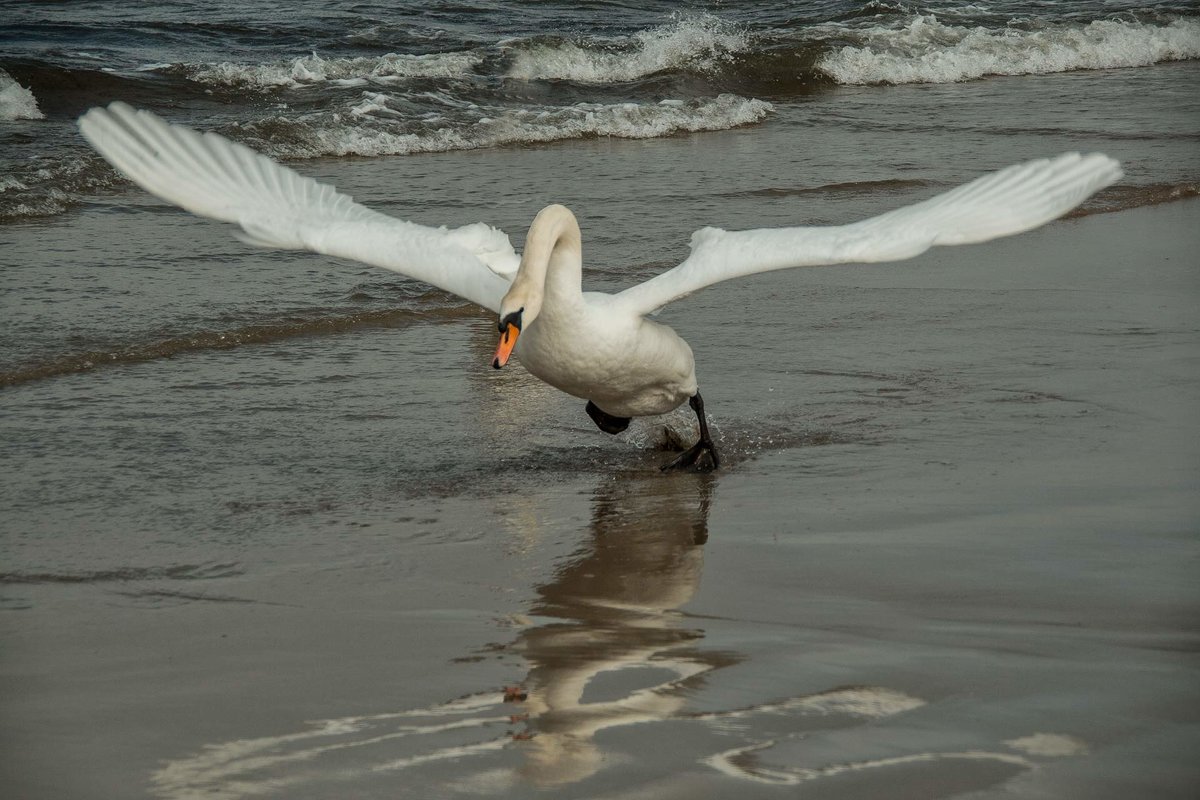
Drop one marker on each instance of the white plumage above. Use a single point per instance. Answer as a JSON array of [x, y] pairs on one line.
[[595, 346]]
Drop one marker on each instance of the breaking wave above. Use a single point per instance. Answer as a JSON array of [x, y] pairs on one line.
[[313, 69], [927, 51], [689, 44], [46, 187], [373, 129], [695, 43], [896, 48], [16, 102]]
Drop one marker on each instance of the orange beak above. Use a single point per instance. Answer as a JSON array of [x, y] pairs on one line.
[[508, 340]]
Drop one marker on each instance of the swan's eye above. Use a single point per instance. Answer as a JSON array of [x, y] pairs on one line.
[[513, 319]]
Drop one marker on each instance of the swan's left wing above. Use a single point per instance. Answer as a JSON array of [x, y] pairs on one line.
[[1012, 200], [276, 207]]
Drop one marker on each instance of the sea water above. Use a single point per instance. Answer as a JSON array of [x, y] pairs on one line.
[[270, 523]]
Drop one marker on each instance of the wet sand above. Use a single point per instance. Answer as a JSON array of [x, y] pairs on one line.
[[953, 553]]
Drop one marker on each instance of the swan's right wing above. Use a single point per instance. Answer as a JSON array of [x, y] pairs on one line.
[[275, 207], [1012, 200]]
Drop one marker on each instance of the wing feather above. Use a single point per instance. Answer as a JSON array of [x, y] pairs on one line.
[[1012, 200], [276, 207]]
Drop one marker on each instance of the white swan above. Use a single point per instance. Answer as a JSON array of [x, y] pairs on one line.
[[595, 346]]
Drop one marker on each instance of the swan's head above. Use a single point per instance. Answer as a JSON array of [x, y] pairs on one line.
[[552, 245], [518, 309], [510, 328]]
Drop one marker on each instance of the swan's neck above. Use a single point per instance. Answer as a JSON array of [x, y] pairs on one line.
[[551, 266]]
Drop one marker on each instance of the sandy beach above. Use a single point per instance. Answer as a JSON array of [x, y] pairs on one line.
[[952, 550]]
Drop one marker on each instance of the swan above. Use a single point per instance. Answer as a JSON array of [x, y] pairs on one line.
[[595, 346]]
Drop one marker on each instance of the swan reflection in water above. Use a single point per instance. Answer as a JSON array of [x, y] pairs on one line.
[[611, 649], [610, 612], [606, 646]]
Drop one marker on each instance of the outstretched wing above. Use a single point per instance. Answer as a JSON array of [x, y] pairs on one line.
[[1013, 200], [275, 207]]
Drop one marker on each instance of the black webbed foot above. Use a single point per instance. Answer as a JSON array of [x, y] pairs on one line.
[[694, 455], [606, 422]]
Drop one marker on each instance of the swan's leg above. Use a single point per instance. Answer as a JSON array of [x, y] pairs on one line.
[[604, 421], [693, 456]]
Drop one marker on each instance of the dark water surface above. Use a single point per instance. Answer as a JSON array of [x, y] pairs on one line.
[[271, 526], [309, 79]]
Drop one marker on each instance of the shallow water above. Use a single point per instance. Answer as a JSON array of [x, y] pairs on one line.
[[957, 513], [272, 525]]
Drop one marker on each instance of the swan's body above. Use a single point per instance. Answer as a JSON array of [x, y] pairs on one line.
[[589, 344], [629, 368], [596, 346]]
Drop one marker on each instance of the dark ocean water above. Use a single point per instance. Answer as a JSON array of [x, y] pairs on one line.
[[306, 80], [270, 526]]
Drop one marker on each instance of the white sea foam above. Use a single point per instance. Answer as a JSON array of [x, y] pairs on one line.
[[696, 42], [16, 102], [314, 69], [312, 138], [927, 51]]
